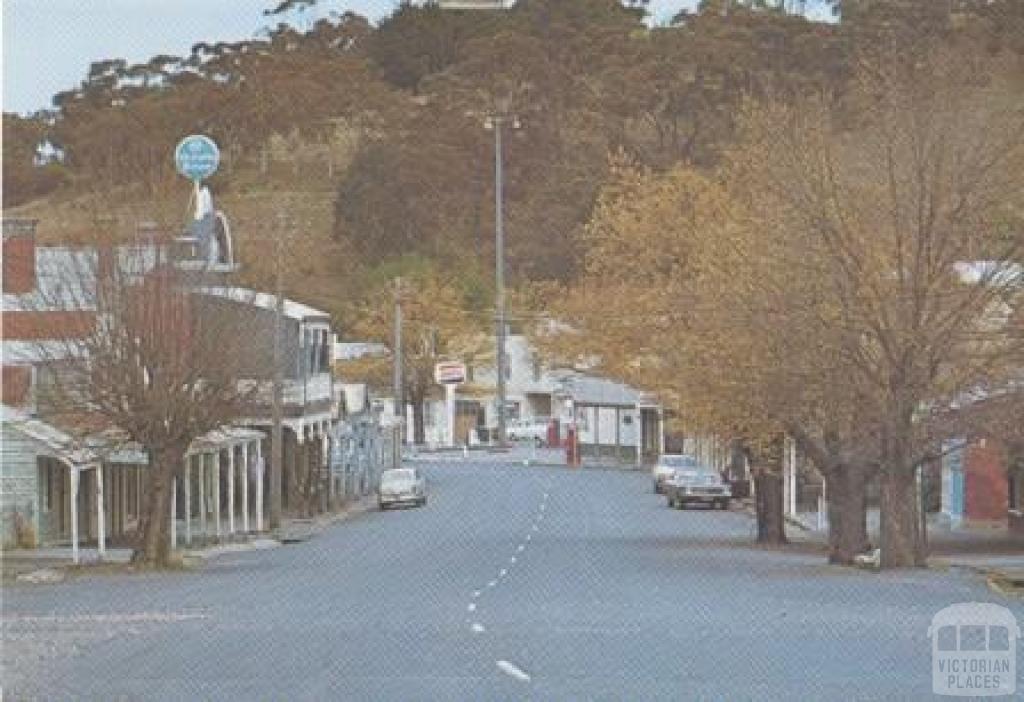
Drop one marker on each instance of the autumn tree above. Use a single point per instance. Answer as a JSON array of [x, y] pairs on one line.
[[893, 196], [441, 320]]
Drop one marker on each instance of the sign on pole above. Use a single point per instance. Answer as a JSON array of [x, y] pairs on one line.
[[196, 157], [450, 373]]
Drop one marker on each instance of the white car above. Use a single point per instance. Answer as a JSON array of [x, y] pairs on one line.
[[699, 485], [532, 430], [667, 466], [402, 486]]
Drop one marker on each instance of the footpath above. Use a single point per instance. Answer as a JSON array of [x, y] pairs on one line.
[[992, 552], [55, 564]]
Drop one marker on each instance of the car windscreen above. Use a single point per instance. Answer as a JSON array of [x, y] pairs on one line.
[[398, 476]]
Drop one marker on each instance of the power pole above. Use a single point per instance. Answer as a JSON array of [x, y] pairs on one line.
[[499, 276], [276, 436], [398, 383]]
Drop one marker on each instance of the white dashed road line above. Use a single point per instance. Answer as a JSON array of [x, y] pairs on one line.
[[513, 671], [477, 627]]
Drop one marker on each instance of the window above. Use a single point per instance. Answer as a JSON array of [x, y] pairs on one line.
[[946, 639], [998, 638], [972, 637]]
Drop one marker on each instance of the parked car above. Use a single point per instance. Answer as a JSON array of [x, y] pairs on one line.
[[667, 465], [532, 430], [402, 486], [697, 485]]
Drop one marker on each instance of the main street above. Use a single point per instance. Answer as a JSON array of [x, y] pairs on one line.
[[513, 582]]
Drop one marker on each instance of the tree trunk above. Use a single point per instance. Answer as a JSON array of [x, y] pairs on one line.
[[153, 546], [771, 525], [902, 546], [847, 514]]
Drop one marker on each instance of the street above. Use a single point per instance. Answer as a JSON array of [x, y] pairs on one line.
[[513, 582]]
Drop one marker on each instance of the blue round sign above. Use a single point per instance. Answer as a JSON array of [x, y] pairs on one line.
[[196, 157]]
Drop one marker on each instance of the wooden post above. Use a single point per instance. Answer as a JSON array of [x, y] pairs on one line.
[[74, 513], [174, 513], [216, 493], [124, 498], [259, 486], [202, 494], [245, 487], [188, 500], [101, 516], [231, 489]]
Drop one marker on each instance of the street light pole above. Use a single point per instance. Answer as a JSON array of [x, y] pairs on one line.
[[276, 436]]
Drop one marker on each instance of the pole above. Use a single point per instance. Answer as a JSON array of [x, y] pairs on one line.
[[449, 392], [398, 382], [276, 437], [499, 276]]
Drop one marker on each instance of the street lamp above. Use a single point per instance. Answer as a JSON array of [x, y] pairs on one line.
[[496, 122]]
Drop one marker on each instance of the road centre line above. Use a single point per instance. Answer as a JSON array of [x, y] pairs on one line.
[[512, 670]]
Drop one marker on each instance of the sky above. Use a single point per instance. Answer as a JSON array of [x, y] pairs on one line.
[[49, 44]]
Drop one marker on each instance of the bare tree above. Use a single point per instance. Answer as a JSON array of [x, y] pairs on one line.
[[144, 363]]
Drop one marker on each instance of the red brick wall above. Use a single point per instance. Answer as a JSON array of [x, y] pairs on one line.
[[30, 326], [17, 381], [986, 486], [19, 264]]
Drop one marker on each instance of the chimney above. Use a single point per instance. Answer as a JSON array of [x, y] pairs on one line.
[[19, 255]]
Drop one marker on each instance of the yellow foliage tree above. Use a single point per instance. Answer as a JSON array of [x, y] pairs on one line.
[[438, 324]]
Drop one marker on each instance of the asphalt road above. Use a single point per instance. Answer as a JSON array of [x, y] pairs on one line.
[[512, 583]]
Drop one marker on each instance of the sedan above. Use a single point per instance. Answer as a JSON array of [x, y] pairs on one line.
[[697, 486], [402, 486], [667, 465]]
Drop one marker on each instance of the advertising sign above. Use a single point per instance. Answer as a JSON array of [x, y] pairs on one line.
[[450, 373], [196, 157]]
